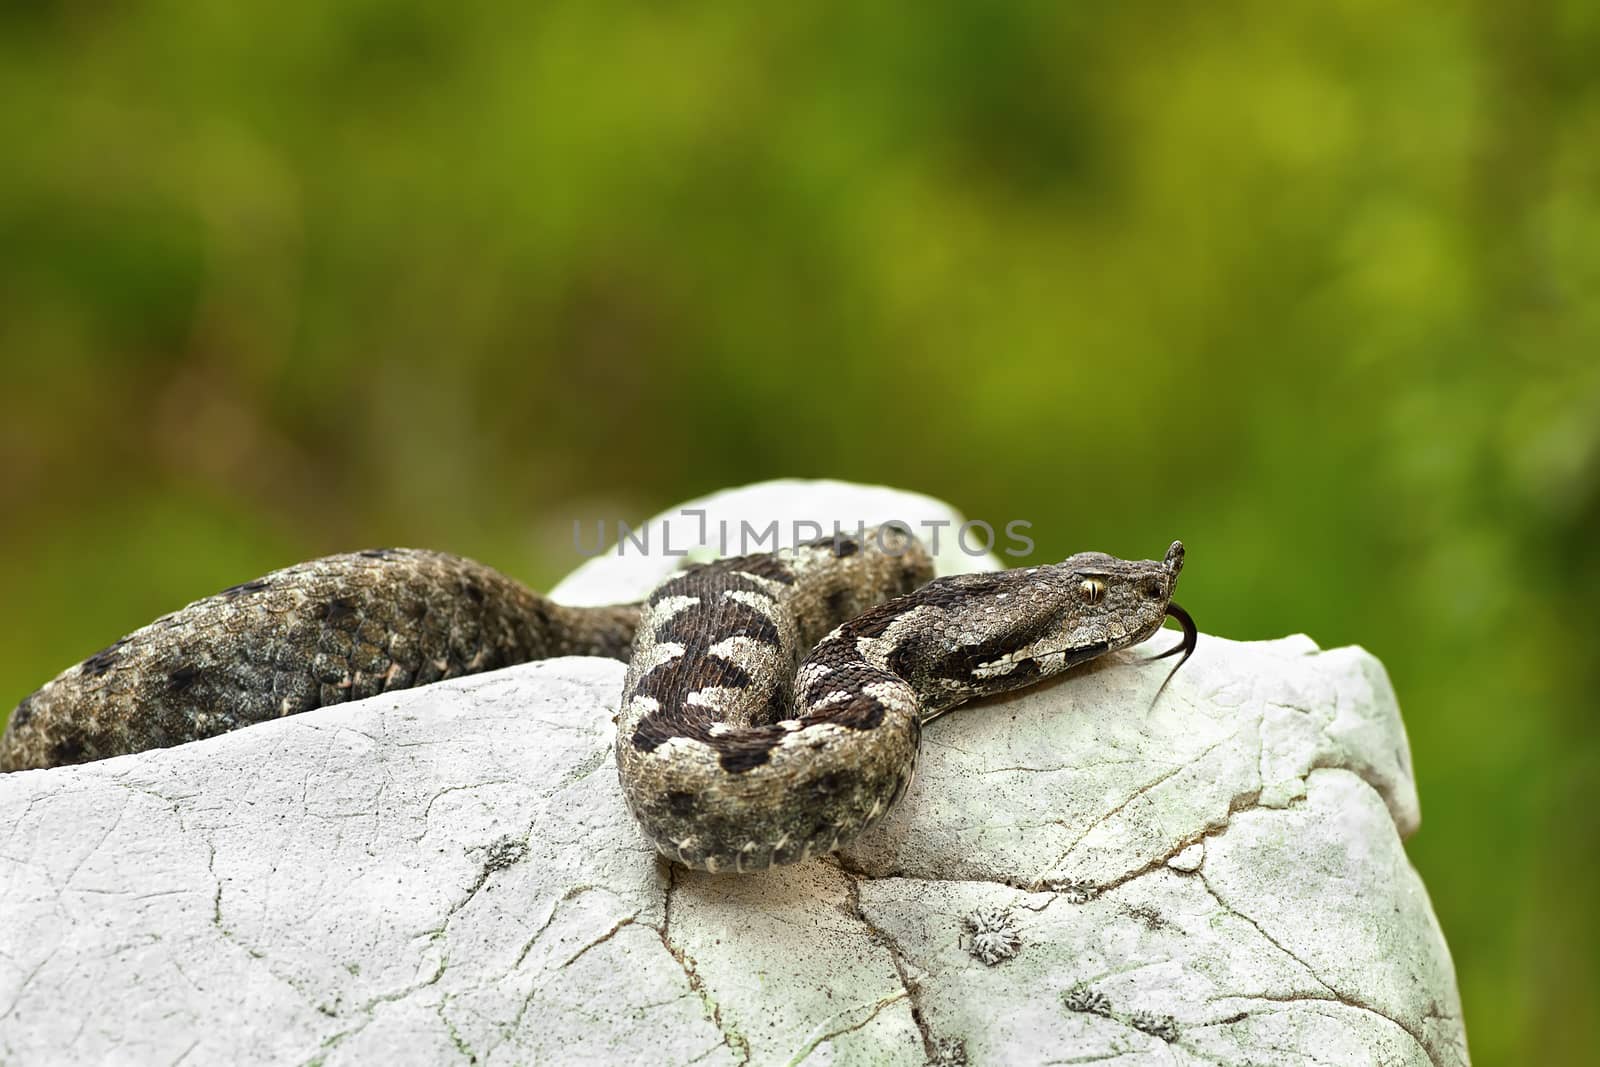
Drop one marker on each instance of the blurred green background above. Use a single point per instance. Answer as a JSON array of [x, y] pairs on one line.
[[1312, 288]]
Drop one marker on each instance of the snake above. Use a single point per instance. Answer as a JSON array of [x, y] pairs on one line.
[[773, 703]]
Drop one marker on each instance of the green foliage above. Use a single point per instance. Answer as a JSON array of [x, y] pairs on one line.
[[1309, 286]]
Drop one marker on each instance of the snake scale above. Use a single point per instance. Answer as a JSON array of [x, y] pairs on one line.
[[734, 752]]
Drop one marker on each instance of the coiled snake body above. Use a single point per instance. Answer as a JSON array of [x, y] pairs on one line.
[[730, 756]]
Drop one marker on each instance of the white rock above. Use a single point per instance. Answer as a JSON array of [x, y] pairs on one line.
[[449, 874], [1189, 860]]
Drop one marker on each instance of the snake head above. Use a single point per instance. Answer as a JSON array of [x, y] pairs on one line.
[[1008, 630], [1104, 603], [1126, 602]]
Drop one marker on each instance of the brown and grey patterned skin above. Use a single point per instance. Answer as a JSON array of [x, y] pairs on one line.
[[731, 756], [726, 776], [314, 634]]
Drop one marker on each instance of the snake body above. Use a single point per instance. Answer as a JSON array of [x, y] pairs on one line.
[[733, 752]]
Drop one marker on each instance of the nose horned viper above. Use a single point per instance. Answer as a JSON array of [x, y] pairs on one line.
[[772, 706]]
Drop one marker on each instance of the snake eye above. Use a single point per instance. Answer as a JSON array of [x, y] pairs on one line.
[[1092, 589]]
